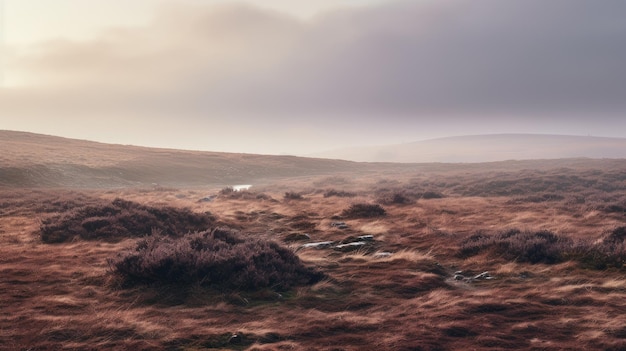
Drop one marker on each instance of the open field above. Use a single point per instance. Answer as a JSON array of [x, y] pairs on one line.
[[413, 283]]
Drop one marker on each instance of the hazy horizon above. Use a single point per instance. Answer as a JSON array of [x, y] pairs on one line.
[[301, 77]]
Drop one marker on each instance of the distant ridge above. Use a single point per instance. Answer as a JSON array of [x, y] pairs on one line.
[[36, 160], [487, 148]]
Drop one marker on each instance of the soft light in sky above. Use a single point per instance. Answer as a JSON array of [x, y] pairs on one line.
[[305, 76], [30, 21]]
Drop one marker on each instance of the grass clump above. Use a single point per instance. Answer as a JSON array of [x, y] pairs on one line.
[[532, 247], [292, 195], [364, 210], [547, 247], [427, 195], [610, 252], [218, 259], [338, 193], [121, 219], [396, 198]]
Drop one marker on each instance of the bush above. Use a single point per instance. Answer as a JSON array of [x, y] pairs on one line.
[[432, 195], [610, 252], [533, 247], [617, 236], [338, 193], [362, 210], [217, 259], [396, 198], [231, 194], [227, 190], [291, 195], [547, 247], [120, 219]]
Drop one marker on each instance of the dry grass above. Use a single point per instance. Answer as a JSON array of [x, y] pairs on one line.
[[63, 296]]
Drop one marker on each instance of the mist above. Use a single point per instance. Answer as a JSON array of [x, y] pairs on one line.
[[245, 79]]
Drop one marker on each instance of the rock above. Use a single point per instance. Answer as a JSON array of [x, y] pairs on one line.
[[318, 245], [350, 246], [209, 198], [339, 225], [483, 275], [235, 339]]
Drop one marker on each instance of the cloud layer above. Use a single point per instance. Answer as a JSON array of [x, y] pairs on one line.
[[389, 71]]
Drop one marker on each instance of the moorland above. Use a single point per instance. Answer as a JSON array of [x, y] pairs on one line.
[[110, 247]]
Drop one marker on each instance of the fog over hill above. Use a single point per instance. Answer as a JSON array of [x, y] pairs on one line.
[[35, 160], [487, 148]]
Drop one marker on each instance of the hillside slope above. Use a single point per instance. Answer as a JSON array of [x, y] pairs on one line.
[[39, 160]]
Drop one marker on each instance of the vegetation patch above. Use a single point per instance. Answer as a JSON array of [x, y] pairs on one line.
[[338, 193], [395, 198], [609, 252], [547, 247], [121, 219], [291, 195], [427, 195], [218, 259], [363, 210], [532, 247], [229, 193]]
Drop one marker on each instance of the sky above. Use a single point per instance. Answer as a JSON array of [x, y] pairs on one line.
[[300, 77]]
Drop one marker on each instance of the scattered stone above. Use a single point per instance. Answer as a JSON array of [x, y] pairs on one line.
[[366, 238], [459, 276], [339, 225], [235, 339], [350, 246], [318, 245], [483, 275], [209, 198]]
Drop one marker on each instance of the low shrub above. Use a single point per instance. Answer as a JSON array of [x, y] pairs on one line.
[[218, 259], [609, 252], [120, 219], [427, 195], [533, 247], [227, 190], [396, 198], [291, 195], [547, 247], [363, 210], [616, 236], [232, 194], [338, 193]]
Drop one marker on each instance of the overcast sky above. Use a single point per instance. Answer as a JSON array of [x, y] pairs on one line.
[[299, 77]]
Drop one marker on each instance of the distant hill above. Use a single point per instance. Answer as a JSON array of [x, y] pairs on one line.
[[487, 148], [28, 159], [35, 160]]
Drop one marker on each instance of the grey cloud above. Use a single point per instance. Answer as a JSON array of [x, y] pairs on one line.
[[531, 57], [398, 61]]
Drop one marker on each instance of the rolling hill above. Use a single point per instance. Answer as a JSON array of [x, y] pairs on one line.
[[40, 160], [35, 160], [487, 148]]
